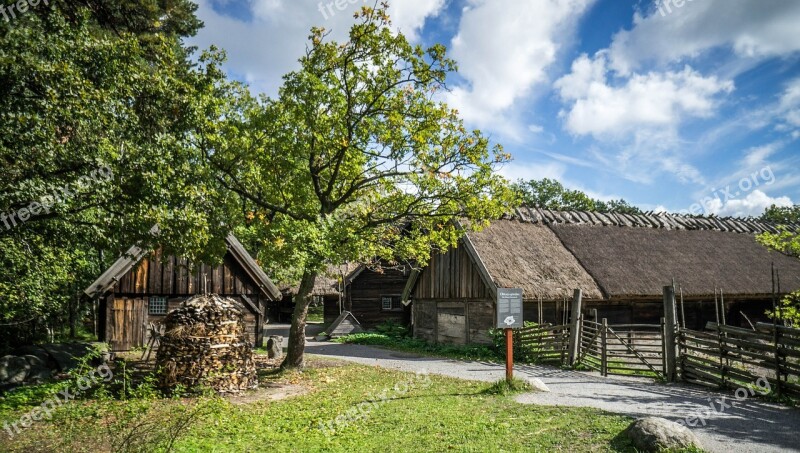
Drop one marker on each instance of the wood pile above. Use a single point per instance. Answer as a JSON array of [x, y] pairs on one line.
[[205, 344]]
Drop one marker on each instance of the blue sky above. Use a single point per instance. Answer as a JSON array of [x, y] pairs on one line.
[[687, 105]]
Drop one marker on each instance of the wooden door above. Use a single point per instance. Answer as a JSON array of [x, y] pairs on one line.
[[126, 328]]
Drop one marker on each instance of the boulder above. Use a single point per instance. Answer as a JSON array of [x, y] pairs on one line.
[[13, 369], [274, 347], [66, 355], [655, 434], [537, 384]]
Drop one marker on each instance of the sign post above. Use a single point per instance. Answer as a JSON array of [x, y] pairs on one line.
[[509, 317]]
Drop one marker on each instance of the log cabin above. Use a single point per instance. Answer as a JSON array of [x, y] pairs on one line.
[[373, 294], [620, 262], [143, 286]]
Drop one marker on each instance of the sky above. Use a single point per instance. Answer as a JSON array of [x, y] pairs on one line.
[[677, 105]]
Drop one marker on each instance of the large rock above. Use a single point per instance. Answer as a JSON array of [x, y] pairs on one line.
[[13, 369], [274, 347], [657, 434], [537, 384]]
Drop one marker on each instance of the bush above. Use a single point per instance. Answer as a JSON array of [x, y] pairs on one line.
[[522, 353]]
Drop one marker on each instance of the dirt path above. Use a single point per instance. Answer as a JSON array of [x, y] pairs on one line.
[[749, 426]]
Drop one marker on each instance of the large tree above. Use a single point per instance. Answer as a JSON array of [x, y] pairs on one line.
[[357, 159], [100, 109]]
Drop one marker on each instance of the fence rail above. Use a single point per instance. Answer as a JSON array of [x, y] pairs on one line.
[[721, 356], [732, 357]]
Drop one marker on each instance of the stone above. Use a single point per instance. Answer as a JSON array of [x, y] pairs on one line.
[[655, 434], [13, 369], [66, 355], [274, 347], [538, 385]]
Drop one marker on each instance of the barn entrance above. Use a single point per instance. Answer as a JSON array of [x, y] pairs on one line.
[[126, 326]]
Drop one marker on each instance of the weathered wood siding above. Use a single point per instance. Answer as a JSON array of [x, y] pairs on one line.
[[175, 277], [449, 322], [451, 302], [363, 297], [127, 309], [451, 276]]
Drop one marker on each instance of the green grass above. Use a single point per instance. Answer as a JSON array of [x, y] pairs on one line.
[[405, 344], [316, 313], [400, 412]]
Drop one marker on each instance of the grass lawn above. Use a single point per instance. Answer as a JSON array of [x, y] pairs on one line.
[[469, 352], [339, 407]]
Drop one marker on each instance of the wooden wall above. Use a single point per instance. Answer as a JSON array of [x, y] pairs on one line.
[[126, 310], [175, 277], [451, 276], [466, 322], [363, 297]]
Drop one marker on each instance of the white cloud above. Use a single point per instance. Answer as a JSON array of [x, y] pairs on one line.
[[752, 29], [266, 47], [790, 104], [652, 100], [754, 204], [504, 49], [759, 154], [533, 170]]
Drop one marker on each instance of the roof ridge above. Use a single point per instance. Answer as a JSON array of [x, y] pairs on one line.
[[660, 220]]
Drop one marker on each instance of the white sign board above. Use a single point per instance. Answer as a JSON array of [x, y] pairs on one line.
[[509, 308]]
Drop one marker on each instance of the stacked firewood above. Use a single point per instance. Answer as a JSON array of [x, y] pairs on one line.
[[205, 344]]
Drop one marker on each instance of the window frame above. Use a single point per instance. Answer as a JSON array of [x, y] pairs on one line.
[[395, 303], [165, 305]]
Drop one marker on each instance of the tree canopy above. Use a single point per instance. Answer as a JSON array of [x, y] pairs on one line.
[[357, 159], [101, 108], [551, 194]]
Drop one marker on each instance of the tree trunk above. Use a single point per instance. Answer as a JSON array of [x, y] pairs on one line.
[[297, 334]]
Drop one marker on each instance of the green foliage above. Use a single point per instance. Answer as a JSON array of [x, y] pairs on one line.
[[417, 346], [782, 215], [551, 194], [88, 85], [785, 241], [504, 387], [355, 160], [393, 329]]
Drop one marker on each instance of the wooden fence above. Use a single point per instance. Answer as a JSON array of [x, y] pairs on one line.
[[540, 344], [721, 356], [732, 357], [626, 349]]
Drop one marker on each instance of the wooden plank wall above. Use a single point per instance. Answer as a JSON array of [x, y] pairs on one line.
[[363, 297], [450, 322], [451, 275], [175, 277]]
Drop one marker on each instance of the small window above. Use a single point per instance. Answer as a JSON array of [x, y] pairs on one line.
[[386, 303], [158, 306]]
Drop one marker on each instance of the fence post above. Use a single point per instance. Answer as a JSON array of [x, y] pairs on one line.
[[575, 327], [604, 348], [663, 347], [670, 373]]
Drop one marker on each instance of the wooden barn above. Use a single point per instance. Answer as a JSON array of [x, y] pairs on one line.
[[142, 286], [620, 262], [373, 294]]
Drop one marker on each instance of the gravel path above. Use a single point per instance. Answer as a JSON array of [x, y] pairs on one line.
[[750, 426]]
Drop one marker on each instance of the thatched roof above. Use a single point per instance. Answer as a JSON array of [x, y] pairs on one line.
[[529, 256], [630, 262]]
